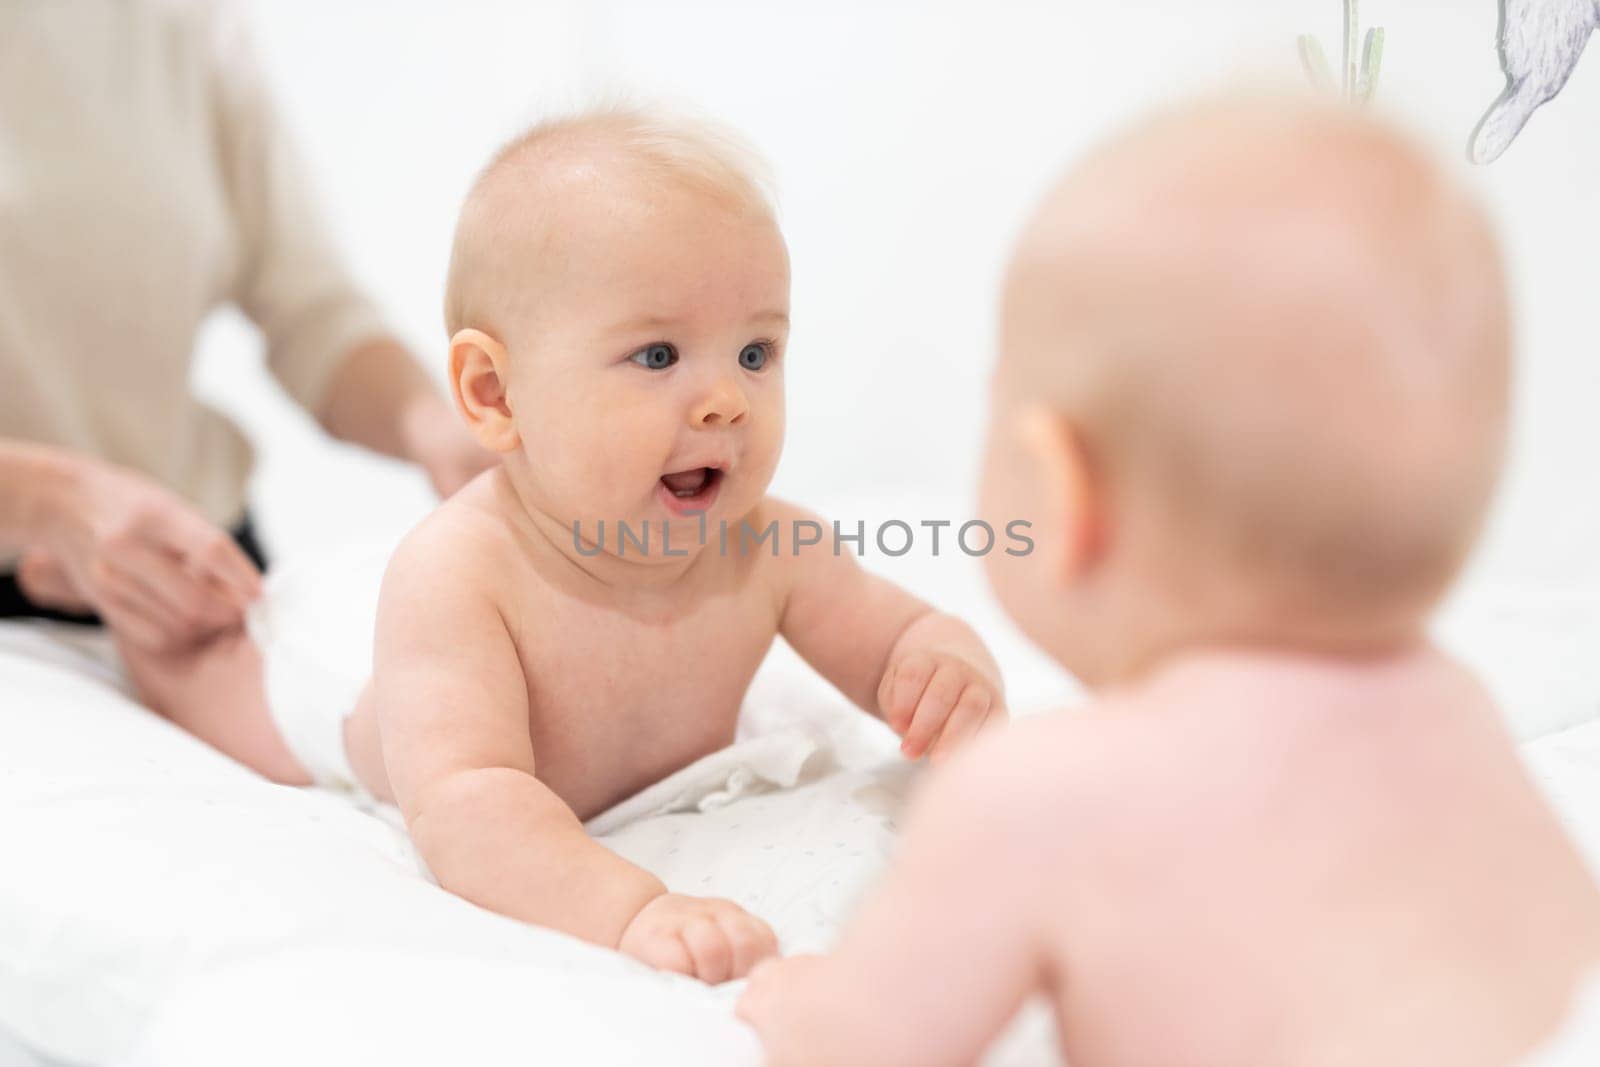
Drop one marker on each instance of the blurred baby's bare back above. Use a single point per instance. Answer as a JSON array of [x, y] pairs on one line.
[[1272, 860], [1274, 336]]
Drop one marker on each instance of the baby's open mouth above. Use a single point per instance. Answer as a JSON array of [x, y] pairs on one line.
[[686, 484], [690, 489]]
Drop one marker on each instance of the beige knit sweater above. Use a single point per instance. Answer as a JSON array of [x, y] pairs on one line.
[[144, 180]]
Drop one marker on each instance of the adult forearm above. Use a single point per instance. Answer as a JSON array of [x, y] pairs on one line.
[[501, 839], [35, 481], [378, 396]]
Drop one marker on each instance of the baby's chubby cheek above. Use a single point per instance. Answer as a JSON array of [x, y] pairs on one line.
[[762, 440], [602, 470], [617, 478], [759, 459]]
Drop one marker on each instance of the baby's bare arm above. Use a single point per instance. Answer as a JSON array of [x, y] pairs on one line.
[[452, 709], [925, 673], [940, 956]]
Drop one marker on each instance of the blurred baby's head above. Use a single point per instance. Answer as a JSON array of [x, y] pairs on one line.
[[1252, 388], [618, 305]]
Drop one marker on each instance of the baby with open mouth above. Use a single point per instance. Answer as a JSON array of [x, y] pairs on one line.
[[584, 618]]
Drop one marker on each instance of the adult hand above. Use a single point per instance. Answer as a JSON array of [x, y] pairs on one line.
[[158, 571]]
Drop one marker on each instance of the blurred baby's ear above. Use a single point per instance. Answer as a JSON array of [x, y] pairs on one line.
[[1057, 469], [478, 381]]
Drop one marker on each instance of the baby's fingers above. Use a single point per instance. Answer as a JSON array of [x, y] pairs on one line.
[[938, 699], [750, 939], [708, 947], [664, 950], [905, 681], [972, 710]]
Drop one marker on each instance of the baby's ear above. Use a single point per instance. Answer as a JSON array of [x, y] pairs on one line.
[[1059, 472], [478, 380]]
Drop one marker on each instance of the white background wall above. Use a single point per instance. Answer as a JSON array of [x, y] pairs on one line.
[[909, 139]]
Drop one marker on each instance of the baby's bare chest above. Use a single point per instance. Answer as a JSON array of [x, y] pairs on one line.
[[619, 699]]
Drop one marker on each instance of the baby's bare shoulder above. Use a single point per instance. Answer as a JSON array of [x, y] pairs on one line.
[[805, 540], [766, 541], [1222, 749], [773, 508], [1068, 773], [776, 518], [460, 550], [1091, 778]]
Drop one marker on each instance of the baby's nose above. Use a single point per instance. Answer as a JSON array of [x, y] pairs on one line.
[[724, 404]]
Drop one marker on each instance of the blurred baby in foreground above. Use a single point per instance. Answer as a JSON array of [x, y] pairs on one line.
[[1252, 393]]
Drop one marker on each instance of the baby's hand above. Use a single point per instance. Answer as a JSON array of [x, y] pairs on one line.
[[778, 1003], [712, 940], [937, 701]]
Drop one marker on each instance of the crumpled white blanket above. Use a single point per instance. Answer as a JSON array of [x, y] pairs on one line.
[[776, 761]]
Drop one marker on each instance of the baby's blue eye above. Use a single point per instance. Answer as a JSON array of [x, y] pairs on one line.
[[753, 356], [656, 357]]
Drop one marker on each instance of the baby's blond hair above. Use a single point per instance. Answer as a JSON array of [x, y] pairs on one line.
[[669, 147]]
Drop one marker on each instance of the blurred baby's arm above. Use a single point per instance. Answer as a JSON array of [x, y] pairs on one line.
[[452, 706], [925, 673], [940, 956]]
